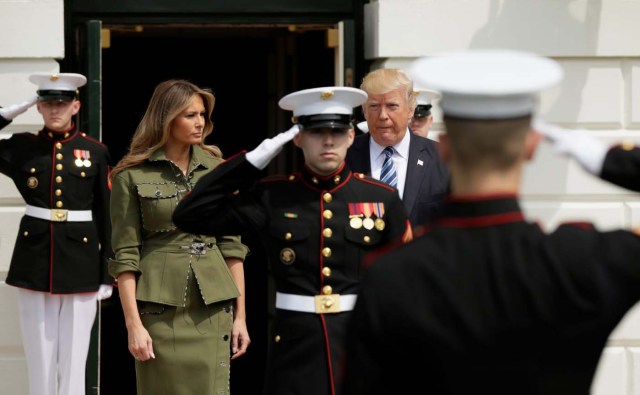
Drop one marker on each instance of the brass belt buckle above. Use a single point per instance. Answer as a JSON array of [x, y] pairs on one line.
[[198, 248], [58, 215], [327, 303]]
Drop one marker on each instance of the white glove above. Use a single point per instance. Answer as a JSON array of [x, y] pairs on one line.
[[363, 126], [13, 111], [105, 291], [588, 151], [269, 148]]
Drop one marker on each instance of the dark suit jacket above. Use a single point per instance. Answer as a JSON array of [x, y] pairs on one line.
[[426, 185]]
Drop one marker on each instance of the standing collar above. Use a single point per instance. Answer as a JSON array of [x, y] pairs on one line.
[[480, 211], [326, 183], [67, 134]]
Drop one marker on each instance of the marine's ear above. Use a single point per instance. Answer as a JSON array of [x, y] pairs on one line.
[[444, 147], [531, 143]]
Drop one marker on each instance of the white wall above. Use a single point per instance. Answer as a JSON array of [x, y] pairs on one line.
[[32, 34], [595, 41]]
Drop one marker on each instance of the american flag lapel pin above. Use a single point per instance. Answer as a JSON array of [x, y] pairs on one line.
[[420, 162]]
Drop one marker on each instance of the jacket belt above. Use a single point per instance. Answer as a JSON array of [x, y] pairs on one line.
[[319, 304], [59, 215]]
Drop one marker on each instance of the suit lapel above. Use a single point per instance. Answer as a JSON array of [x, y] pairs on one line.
[[416, 172], [359, 160]]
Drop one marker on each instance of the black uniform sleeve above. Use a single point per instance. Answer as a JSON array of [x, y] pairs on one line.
[[101, 214], [213, 206], [3, 122], [622, 167]]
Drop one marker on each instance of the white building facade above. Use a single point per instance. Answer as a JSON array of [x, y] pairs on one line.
[[595, 41]]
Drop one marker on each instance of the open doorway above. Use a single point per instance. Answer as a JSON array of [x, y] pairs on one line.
[[249, 68]]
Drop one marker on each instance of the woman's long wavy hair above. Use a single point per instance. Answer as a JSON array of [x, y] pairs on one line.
[[169, 99]]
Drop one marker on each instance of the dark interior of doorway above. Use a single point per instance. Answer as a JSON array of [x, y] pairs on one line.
[[248, 69]]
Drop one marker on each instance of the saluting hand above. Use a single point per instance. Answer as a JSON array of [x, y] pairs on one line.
[[269, 148], [13, 111], [588, 151]]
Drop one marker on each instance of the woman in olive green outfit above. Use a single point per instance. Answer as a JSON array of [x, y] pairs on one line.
[[182, 294]]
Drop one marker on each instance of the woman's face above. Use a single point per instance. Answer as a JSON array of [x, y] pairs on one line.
[[188, 126]]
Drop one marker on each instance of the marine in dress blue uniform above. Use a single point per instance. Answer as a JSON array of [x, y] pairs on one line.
[[63, 242], [315, 228], [484, 301]]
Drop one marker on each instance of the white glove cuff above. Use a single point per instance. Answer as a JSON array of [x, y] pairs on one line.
[[13, 111]]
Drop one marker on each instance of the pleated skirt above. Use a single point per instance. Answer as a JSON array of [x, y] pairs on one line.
[[191, 344]]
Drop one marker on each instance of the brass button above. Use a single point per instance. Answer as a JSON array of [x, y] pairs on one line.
[[327, 232], [59, 166], [59, 156], [367, 239], [326, 252], [58, 192], [32, 170], [26, 233], [83, 174], [85, 239], [326, 271], [59, 204], [58, 145], [337, 179], [277, 338], [292, 177], [360, 175], [327, 290], [59, 179], [327, 214], [288, 236], [315, 180], [327, 197]]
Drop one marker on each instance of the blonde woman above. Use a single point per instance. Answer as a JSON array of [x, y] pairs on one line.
[[182, 294]]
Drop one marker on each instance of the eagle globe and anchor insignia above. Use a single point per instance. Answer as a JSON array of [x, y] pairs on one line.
[[287, 256]]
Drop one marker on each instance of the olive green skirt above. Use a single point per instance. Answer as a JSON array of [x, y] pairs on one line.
[[191, 344]]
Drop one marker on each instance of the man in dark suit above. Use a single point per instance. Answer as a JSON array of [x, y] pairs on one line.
[[422, 178]]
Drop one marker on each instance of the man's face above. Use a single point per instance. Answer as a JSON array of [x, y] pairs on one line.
[[421, 125], [387, 116], [57, 115], [324, 149]]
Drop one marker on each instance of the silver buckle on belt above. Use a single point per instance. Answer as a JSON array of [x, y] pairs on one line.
[[327, 303], [58, 215], [198, 248]]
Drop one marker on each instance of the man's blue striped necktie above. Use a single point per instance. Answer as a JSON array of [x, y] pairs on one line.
[[388, 173]]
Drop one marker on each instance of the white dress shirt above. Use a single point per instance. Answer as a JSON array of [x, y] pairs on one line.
[[400, 159]]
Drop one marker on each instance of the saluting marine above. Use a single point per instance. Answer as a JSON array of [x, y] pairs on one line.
[[316, 226], [59, 261]]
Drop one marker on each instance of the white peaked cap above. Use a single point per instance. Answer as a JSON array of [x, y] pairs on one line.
[[326, 107], [487, 84], [326, 100], [426, 96], [363, 126], [57, 87]]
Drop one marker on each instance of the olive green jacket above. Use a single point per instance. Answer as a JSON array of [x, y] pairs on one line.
[[146, 241]]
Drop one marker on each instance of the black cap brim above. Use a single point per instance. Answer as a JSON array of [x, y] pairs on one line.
[[422, 110], [56, 96], [320, 121]]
